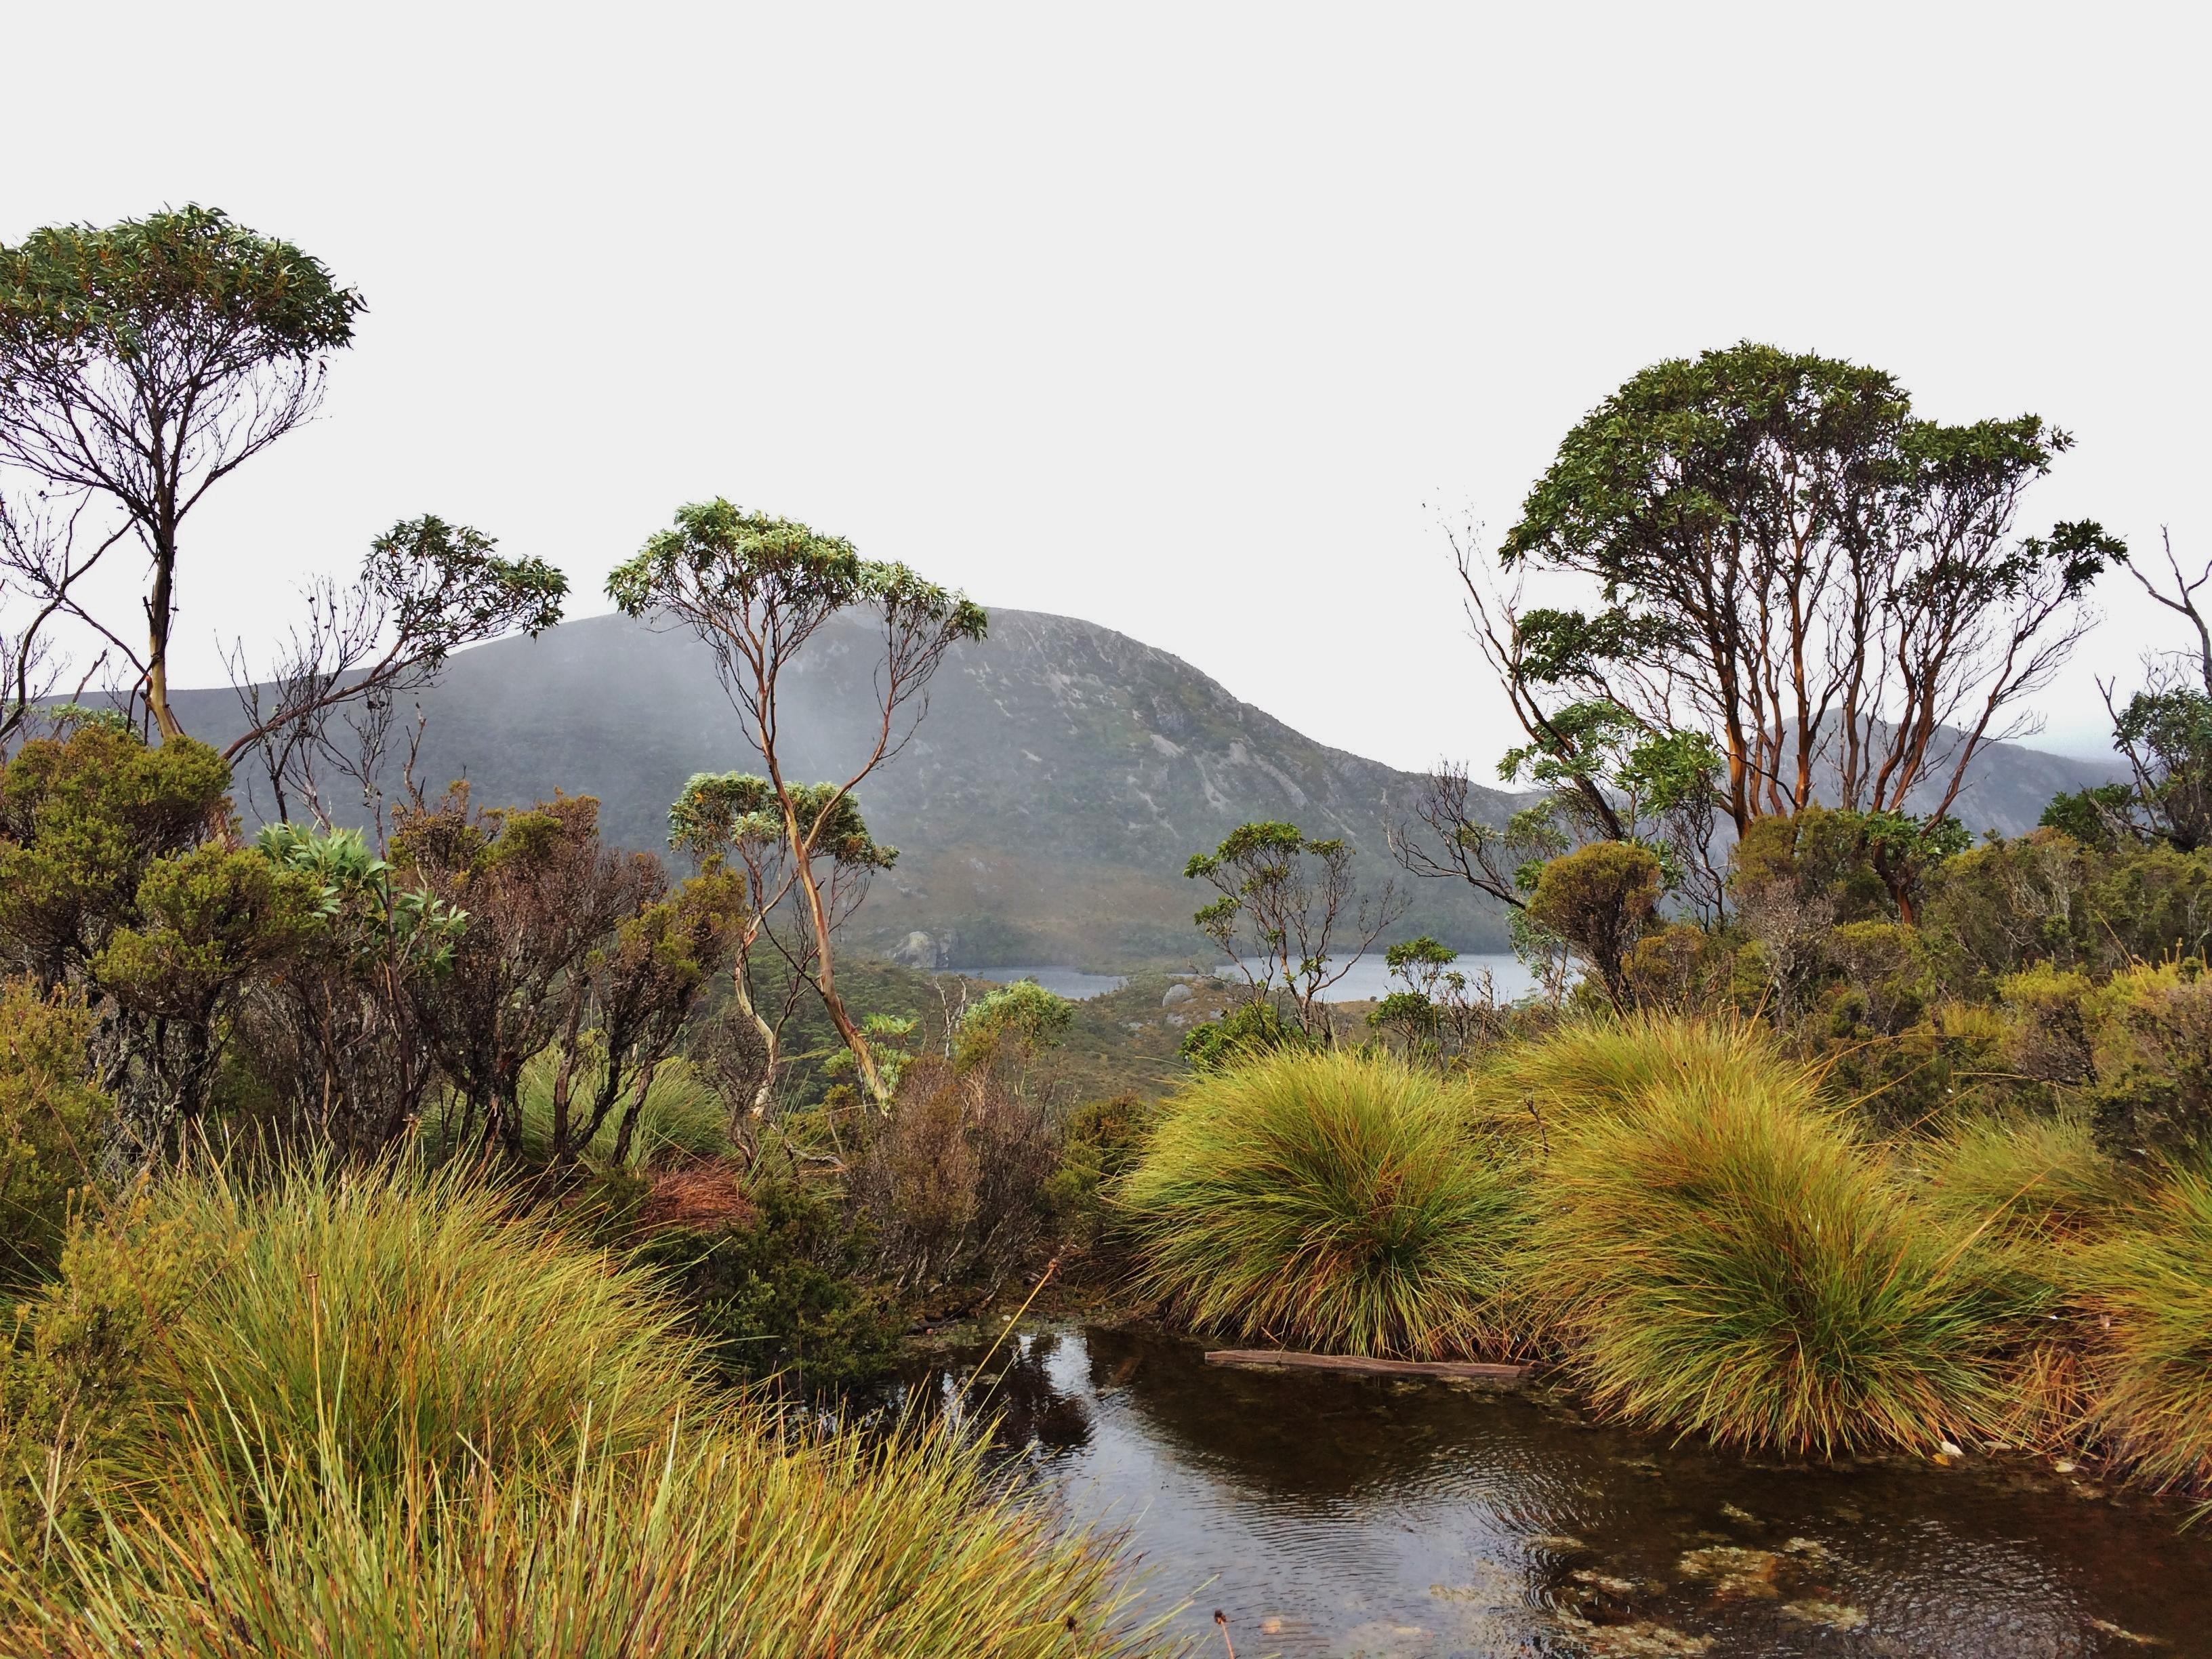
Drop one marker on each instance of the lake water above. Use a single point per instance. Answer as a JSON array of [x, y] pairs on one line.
[[1368, 978], [1346, 1516]]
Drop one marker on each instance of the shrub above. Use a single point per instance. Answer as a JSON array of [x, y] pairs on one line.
[[1100, 1143], [953, 1180], [1724, 1260], [50, 1120], [1250, 1030], [786, 1290], [2150, 1037], [1600, 899], [2151, 1279], [1335, 1200]]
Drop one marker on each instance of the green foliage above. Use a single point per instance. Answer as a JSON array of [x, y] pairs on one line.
[[50, 1113], [1248, 1031], [442, 586], [1723, 1260], [2166, 732], [2149, 1030], [1337, 1200], [1014, 1023], [1100, 1143], [77, 290], [730, 555], [2097, 816], [1600, 899], [2150, 1280], [717, 811], [81, 819], [207, 921], [788, 1289]]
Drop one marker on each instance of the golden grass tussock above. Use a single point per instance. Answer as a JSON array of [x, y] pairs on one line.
[[384, 1412], [1338, 1201], [1601, 1064], [2147, 1284], [1722, 1258]]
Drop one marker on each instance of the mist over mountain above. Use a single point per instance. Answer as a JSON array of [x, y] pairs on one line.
[[1044, 811], [1045, 808]]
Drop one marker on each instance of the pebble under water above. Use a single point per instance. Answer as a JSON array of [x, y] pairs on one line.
[[1328, 1515]]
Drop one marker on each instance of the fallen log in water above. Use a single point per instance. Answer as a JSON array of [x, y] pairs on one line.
[[1455, 1370]]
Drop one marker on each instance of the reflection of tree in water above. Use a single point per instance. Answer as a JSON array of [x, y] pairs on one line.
[[1311, 1435], [1036, 1421]]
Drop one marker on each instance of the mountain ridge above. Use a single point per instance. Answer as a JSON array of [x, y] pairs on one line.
[[1044, 809]]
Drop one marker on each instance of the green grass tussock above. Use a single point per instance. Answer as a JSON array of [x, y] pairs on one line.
[[2150, 1279], [2031, 1180], [732, 1539], [1333, 1200], [379, 1412], [421, 1314], [1723, 1259], [1612, 1064]]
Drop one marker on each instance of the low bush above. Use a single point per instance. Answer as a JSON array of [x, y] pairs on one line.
[[2150, 1035], [1335, 1200], [2148, 1281], [50, 1113], [1720, 1258], [786, 1290], [952, 1182]]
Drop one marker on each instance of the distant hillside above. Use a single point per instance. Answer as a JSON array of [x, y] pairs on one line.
[[1044, 812]]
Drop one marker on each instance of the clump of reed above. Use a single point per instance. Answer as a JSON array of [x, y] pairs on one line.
[[2147, 1281], [1337, 1200], [376, 1413], [1718, 1256]]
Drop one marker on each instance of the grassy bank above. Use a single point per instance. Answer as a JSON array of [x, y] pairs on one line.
[[1690, 1226], [376, 1413]]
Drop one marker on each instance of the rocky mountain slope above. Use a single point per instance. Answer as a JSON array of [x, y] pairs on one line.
[[1044, 811]]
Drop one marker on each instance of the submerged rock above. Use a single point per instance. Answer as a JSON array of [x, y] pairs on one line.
[[1732, 1571]]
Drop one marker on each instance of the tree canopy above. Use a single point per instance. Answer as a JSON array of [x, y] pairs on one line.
[[142, 362]]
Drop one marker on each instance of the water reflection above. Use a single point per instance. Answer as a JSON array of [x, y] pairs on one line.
[[1339, 1516]]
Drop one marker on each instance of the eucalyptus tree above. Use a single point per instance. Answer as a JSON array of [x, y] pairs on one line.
[[1290, 915], [142, 363], [1790, 563], [758, 590], [426, 588], [737, 817]]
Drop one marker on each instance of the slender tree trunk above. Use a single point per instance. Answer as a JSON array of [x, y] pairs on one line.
[[864, 1059]]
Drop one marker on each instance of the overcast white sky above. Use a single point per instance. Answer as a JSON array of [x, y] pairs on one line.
[[1187, 320]]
